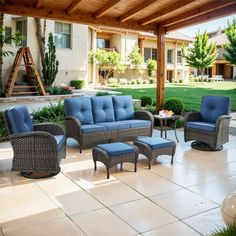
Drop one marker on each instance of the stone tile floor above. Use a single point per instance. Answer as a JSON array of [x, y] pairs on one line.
[[184, 198]]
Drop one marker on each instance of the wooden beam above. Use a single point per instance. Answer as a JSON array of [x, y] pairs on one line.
[[205, 17], [165, 11], [83, 18], [73, 6], [197, 12], [38, 4], [160, 89], [136, 10], [105, 8]]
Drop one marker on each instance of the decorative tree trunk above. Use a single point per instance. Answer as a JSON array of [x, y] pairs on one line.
[[1, 49], [41, 39]]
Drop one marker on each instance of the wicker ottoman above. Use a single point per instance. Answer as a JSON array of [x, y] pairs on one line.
[[152, 147], [115, 153]]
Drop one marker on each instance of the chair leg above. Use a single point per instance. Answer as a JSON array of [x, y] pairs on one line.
[[95, 165], [108, 174], [80, 148], [172, 159], [135, 166], [149, 164]]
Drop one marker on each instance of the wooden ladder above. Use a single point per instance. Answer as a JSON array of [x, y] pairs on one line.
[[35, 85]]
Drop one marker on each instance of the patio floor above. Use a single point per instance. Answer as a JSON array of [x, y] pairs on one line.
[[184, 198]]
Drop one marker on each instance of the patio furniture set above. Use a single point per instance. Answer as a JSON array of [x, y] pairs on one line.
[[38, 149]]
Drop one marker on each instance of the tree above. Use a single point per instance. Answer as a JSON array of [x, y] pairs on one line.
[[202, 55], [108, 61], [135, 59], [151, 67], [50, 68], [230, 48], [17, 39]]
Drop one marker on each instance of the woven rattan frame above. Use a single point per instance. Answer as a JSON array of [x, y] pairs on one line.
[[214, 139], [37, 151], [151, 154], [110, 161], [73, 130]]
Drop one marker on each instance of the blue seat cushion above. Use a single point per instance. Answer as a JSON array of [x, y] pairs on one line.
[[214, 106], [116, 149], [93, 128], [19, 119], [60, 141], [80, 108], [123, 107], [202, 126], [155, 142], [139, 123], [103, 110], [115, 125]]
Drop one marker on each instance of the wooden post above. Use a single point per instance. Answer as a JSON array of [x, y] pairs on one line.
[[160, 67]]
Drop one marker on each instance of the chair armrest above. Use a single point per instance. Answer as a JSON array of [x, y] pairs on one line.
[[33, 141], [50, 128], [222, 121], [192, 116], [144, 115], [74, 121]]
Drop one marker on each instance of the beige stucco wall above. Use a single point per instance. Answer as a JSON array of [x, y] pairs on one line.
[[73, 63]]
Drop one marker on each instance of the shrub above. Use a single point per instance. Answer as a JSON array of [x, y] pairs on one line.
[[139, 81], [151, 81], [112, 81], [181, 81], [58, 90], [175, 105], [78, 84], [151, 67], [123, 81], [228, 230], [151, 109], [134, 82], [2, 92], [146, 100], [180, 122], [114, 85], [3, 128], [102, 94], [54, 113]]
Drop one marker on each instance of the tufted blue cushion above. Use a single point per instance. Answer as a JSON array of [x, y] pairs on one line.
[[80, 108], [19, 119], [102, 109], [155, 142], [116, 149], [117, 125], [214, 106], [123, 107], [202, 125], [93, 128], [60, 141]]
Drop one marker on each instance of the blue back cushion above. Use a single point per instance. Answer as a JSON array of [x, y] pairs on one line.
[[103, 110], [123, 107], [19, 119], [80, 108], [214, 106]]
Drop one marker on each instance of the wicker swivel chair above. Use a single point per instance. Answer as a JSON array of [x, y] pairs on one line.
[[210, 126], [38, 149]]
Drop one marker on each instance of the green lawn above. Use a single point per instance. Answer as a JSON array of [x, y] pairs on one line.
[[190, 93]]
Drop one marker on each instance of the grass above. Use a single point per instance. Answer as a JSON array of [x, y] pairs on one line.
[[190, 93]]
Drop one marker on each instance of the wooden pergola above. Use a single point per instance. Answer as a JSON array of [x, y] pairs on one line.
[[158, 16]]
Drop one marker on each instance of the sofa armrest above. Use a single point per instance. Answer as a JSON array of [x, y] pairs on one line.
[[144, 115], [50, 128], [73, 127]]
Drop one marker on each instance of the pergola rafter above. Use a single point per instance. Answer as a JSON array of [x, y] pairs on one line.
[[158, 16]]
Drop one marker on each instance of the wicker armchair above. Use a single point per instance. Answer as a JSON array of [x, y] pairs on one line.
[[210, 126], [38, 149]]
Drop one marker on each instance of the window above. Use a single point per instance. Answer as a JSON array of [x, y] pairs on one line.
[[8, 35], [179, 57], [169, 56], [62, 35], [103, 43], [21, 27], [150, 53]]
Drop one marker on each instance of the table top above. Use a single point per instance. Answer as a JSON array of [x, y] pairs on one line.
[[173, 117]]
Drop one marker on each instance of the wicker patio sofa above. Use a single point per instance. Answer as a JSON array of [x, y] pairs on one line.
[[99, 118]]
